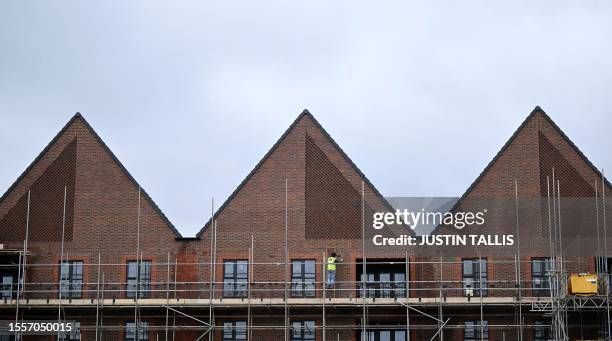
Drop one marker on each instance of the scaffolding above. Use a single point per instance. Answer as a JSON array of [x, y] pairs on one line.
[[411, 304]]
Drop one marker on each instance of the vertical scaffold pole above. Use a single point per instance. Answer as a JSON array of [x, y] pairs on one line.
[[324, 294], [137, 289], [211, 286], [605, 229], [286, 261], [518, 252], [440, 310], [22, 266], [364, 335], [599, 255], [406, 278], [175, 297], [98, 295], [251, 276], [167, 296], [102, 306], [59, 301], [481, 294]]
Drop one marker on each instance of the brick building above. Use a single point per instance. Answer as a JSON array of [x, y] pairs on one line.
[[93, 247]]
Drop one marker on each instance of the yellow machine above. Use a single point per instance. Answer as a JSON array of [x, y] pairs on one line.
[[583, 284]]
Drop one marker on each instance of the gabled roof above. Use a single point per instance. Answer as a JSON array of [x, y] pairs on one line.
[[271, 150], [534, 112], [79, 117]]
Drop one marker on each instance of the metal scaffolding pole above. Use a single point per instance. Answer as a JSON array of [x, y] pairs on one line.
[[251, 276], [364, 335], [605, 229], [286, 262], [406, 278], [59, 301], [175, 296], [481, 288], [440, 311], [560, 233], [323, 285], [599, 254], [22, 266], [98, 295], [518, 248], [167, 296], [212, 267], [137, 289], [101, 312]]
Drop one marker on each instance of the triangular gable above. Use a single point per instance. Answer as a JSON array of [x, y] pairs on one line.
[[21, 185], [537, 142], [528, 157], [303, 117]]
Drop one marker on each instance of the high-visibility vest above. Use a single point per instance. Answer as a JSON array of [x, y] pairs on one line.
[[331, 263]]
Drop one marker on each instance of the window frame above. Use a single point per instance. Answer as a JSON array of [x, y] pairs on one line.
[[302, 329], [475, 333], [139, 286], [476, 276], [141, 335], [236, 330], [67, 290], [237, 281], [7, 289], [546, 265], [303, 285], [375, 334]]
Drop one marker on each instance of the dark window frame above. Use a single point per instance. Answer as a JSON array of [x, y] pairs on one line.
[[237, 330], [7, 288], [471, 330], [303, 282], [71, 286], [139, 282], [131, 334], [235, 284], [303, 330], [375, 334], [475, 275], [540, 281], [394, 286]]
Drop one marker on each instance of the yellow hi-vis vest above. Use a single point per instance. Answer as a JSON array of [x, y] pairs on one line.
[[331, 263]]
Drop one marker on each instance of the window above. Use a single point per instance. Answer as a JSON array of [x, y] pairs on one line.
[[539, 276], [235, 277], [385, 278], [384, 335], [472, 331], [73, 335], [137, 334], [303, 278], [474, 275], [234, 330], [71, 278], [302, 331], [6, 286], [7, 337], [543, 331], [138, 279]]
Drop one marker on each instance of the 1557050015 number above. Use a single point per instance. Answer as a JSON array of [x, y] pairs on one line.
[[36, 327]]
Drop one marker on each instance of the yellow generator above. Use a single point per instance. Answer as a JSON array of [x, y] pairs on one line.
[[583, 285]]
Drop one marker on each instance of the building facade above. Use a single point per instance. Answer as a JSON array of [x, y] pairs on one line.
[[83, 242]]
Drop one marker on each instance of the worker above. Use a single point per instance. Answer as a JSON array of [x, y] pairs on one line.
[[331, 270]]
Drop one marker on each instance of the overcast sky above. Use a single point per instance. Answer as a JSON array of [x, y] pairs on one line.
[[190, 95]]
